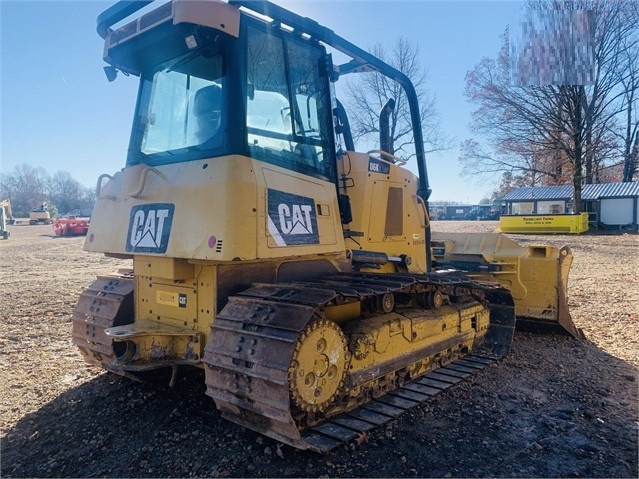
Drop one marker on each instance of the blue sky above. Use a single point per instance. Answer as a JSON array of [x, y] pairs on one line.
[[60, 113]]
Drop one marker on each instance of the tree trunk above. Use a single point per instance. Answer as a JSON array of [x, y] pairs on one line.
[[588, 177], [630, 153], [631, 157]]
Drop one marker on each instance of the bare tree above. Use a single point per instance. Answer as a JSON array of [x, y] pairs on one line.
[[629, 80], [366, 96], [66, 192], [557, 131], [26, 187]]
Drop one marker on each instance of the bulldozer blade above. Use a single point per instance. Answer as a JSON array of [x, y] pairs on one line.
[[537, 275]]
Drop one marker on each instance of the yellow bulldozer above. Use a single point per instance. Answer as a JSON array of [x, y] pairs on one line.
[[301, 275]]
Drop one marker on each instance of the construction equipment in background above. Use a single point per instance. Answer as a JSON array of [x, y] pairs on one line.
[[5, 218], [69, 225], [40, 215], [8, 212], [295, 271]]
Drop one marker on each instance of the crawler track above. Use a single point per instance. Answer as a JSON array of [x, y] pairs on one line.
[[348, 426], [107, 302], [254, 338]]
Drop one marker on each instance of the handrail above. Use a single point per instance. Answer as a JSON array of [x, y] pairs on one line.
[[422, 203], [98, 188], [395, 159], [145, 171]]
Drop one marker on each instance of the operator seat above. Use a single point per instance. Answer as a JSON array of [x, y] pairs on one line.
[[207, 107]]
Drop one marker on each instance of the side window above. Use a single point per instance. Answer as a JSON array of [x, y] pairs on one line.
[[182, 112], [286, 122]]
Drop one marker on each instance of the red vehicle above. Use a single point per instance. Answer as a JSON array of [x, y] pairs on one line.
[[70, 226]]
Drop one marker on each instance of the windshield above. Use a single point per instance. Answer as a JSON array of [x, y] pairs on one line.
[[180, 109]]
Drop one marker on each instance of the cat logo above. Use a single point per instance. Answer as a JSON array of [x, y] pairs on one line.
[[150, 228], [291, 219]]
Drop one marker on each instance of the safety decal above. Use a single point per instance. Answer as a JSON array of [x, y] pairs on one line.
[[291, 219], [150, 228], [377, 166], [182, 300]]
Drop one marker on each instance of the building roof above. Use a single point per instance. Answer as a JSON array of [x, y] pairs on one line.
[[588, 192], [531, 193], [610, 190]]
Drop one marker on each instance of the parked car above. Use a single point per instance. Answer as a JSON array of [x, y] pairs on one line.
[[475, 214]]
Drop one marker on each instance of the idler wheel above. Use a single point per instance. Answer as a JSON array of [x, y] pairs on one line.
[[385, 303], [435, 299], [318, 369]]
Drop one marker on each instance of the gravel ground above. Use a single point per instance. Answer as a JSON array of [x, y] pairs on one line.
[[554, 407]]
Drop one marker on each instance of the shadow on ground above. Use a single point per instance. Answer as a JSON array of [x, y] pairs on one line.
[[555, 407]]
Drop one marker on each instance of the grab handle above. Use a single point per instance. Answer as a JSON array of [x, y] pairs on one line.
[[145, 172], [99, 187]]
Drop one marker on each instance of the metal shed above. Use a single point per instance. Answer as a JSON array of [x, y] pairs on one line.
[[612, 204], [539, 200], [608, 204]]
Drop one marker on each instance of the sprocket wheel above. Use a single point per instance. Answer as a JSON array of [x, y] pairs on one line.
[[318, 369]]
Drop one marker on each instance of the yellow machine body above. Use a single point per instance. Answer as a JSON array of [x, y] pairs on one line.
[[299, 274], [393, 218], [40, 217], [536, 275], [231, 247]]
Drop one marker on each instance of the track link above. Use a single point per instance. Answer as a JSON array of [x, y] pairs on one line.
[[107, 302], [345, 427], [253, 339]]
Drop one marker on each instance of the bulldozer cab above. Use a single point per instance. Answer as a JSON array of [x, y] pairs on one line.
[[200, 87], [237, 85]]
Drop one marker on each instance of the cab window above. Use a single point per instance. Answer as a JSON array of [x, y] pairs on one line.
[[287, 105]]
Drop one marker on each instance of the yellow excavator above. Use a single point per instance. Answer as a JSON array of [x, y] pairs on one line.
[[301, 275], [6, 218]]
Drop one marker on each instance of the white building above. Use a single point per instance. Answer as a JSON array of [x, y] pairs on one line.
[[608, 204]]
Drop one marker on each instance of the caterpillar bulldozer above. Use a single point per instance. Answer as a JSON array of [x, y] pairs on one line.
[[301, 275]]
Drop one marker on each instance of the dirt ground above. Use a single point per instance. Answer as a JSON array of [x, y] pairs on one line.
[[554, 407]]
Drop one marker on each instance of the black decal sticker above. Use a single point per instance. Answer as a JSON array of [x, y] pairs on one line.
[[377, 166], [291, 219], [150, 228], [182, 300]]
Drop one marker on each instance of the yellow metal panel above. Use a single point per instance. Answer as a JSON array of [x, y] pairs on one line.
[[217, 211], [205, 223], [167, 298], [544, 223], [162, 267], [320, 206], [171, 304], [206, 298], [369, 192]]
